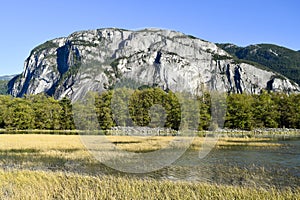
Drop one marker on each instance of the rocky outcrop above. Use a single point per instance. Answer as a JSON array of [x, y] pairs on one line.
[[276, 58], [97, 60]]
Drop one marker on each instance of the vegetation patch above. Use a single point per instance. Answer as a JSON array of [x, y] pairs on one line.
[[44, 46], [3, 87], [84, 43], [56, 185], [217, 57], [243, 111]]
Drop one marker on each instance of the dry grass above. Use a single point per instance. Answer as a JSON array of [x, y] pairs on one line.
[[141, 144], [29, 163], [52, 185], [250, 142], [39, 141], [145, 144], [58, 144]]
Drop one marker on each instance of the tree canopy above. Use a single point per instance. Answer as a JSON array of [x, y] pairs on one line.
[[151, 107]]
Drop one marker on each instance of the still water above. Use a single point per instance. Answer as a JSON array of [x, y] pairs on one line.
[[274, 166], [266, 167]]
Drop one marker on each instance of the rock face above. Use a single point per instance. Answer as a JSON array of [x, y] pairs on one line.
[[276, 58], [98, 59]]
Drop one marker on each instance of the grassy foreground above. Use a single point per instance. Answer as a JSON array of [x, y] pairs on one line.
[[54, 185], [59, 167]]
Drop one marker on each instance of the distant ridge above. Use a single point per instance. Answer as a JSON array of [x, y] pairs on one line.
[[279, 59], [7, 77]]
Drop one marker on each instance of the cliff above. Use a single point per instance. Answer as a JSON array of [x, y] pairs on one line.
[[96, 60]]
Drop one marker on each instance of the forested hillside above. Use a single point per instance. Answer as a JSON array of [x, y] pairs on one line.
[[279, 59]]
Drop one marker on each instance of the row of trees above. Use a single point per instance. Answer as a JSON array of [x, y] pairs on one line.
[[241, 111], [36, 112], [151, 107], [271, 110]]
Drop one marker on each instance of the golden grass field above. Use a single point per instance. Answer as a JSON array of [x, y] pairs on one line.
[[26, 163], [56, 185]]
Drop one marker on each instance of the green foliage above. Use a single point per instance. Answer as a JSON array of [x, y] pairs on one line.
[[288, 110], [265, 110], [119, 106], [164, 106], [47, 113], [65, 114], [103, 110], [239, 111], [204, 109], [244, 111], [84, 43], [151, 107], [85, 113], [3, 87], [173, 111], [4, 102], [142, 107], [271, 110], [220, 57], [35, 112], [114, 66], [19, 115], [44, 46]]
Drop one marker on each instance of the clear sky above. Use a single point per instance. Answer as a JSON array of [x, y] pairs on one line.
[[26, 24]]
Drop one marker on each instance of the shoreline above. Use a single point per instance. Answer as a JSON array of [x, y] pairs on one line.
[[234, 133]]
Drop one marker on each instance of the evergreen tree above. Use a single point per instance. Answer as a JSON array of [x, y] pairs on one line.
[[204, 108], [66, 114], [265, 111], [239, 112], [286, 110], [173, 111], [120, 106], [46, 112], [4, 104], [103, 110], [19, 115], [295, 98]]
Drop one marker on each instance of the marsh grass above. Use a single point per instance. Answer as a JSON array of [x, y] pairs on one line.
[[141, 144], [57, 185], [41, 166], [147, 144], [228, 142], [43, 151]]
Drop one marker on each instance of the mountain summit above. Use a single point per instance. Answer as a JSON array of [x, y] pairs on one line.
[[96, 60]]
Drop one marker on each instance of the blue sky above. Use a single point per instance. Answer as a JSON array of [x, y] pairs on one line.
[[26, 24]]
